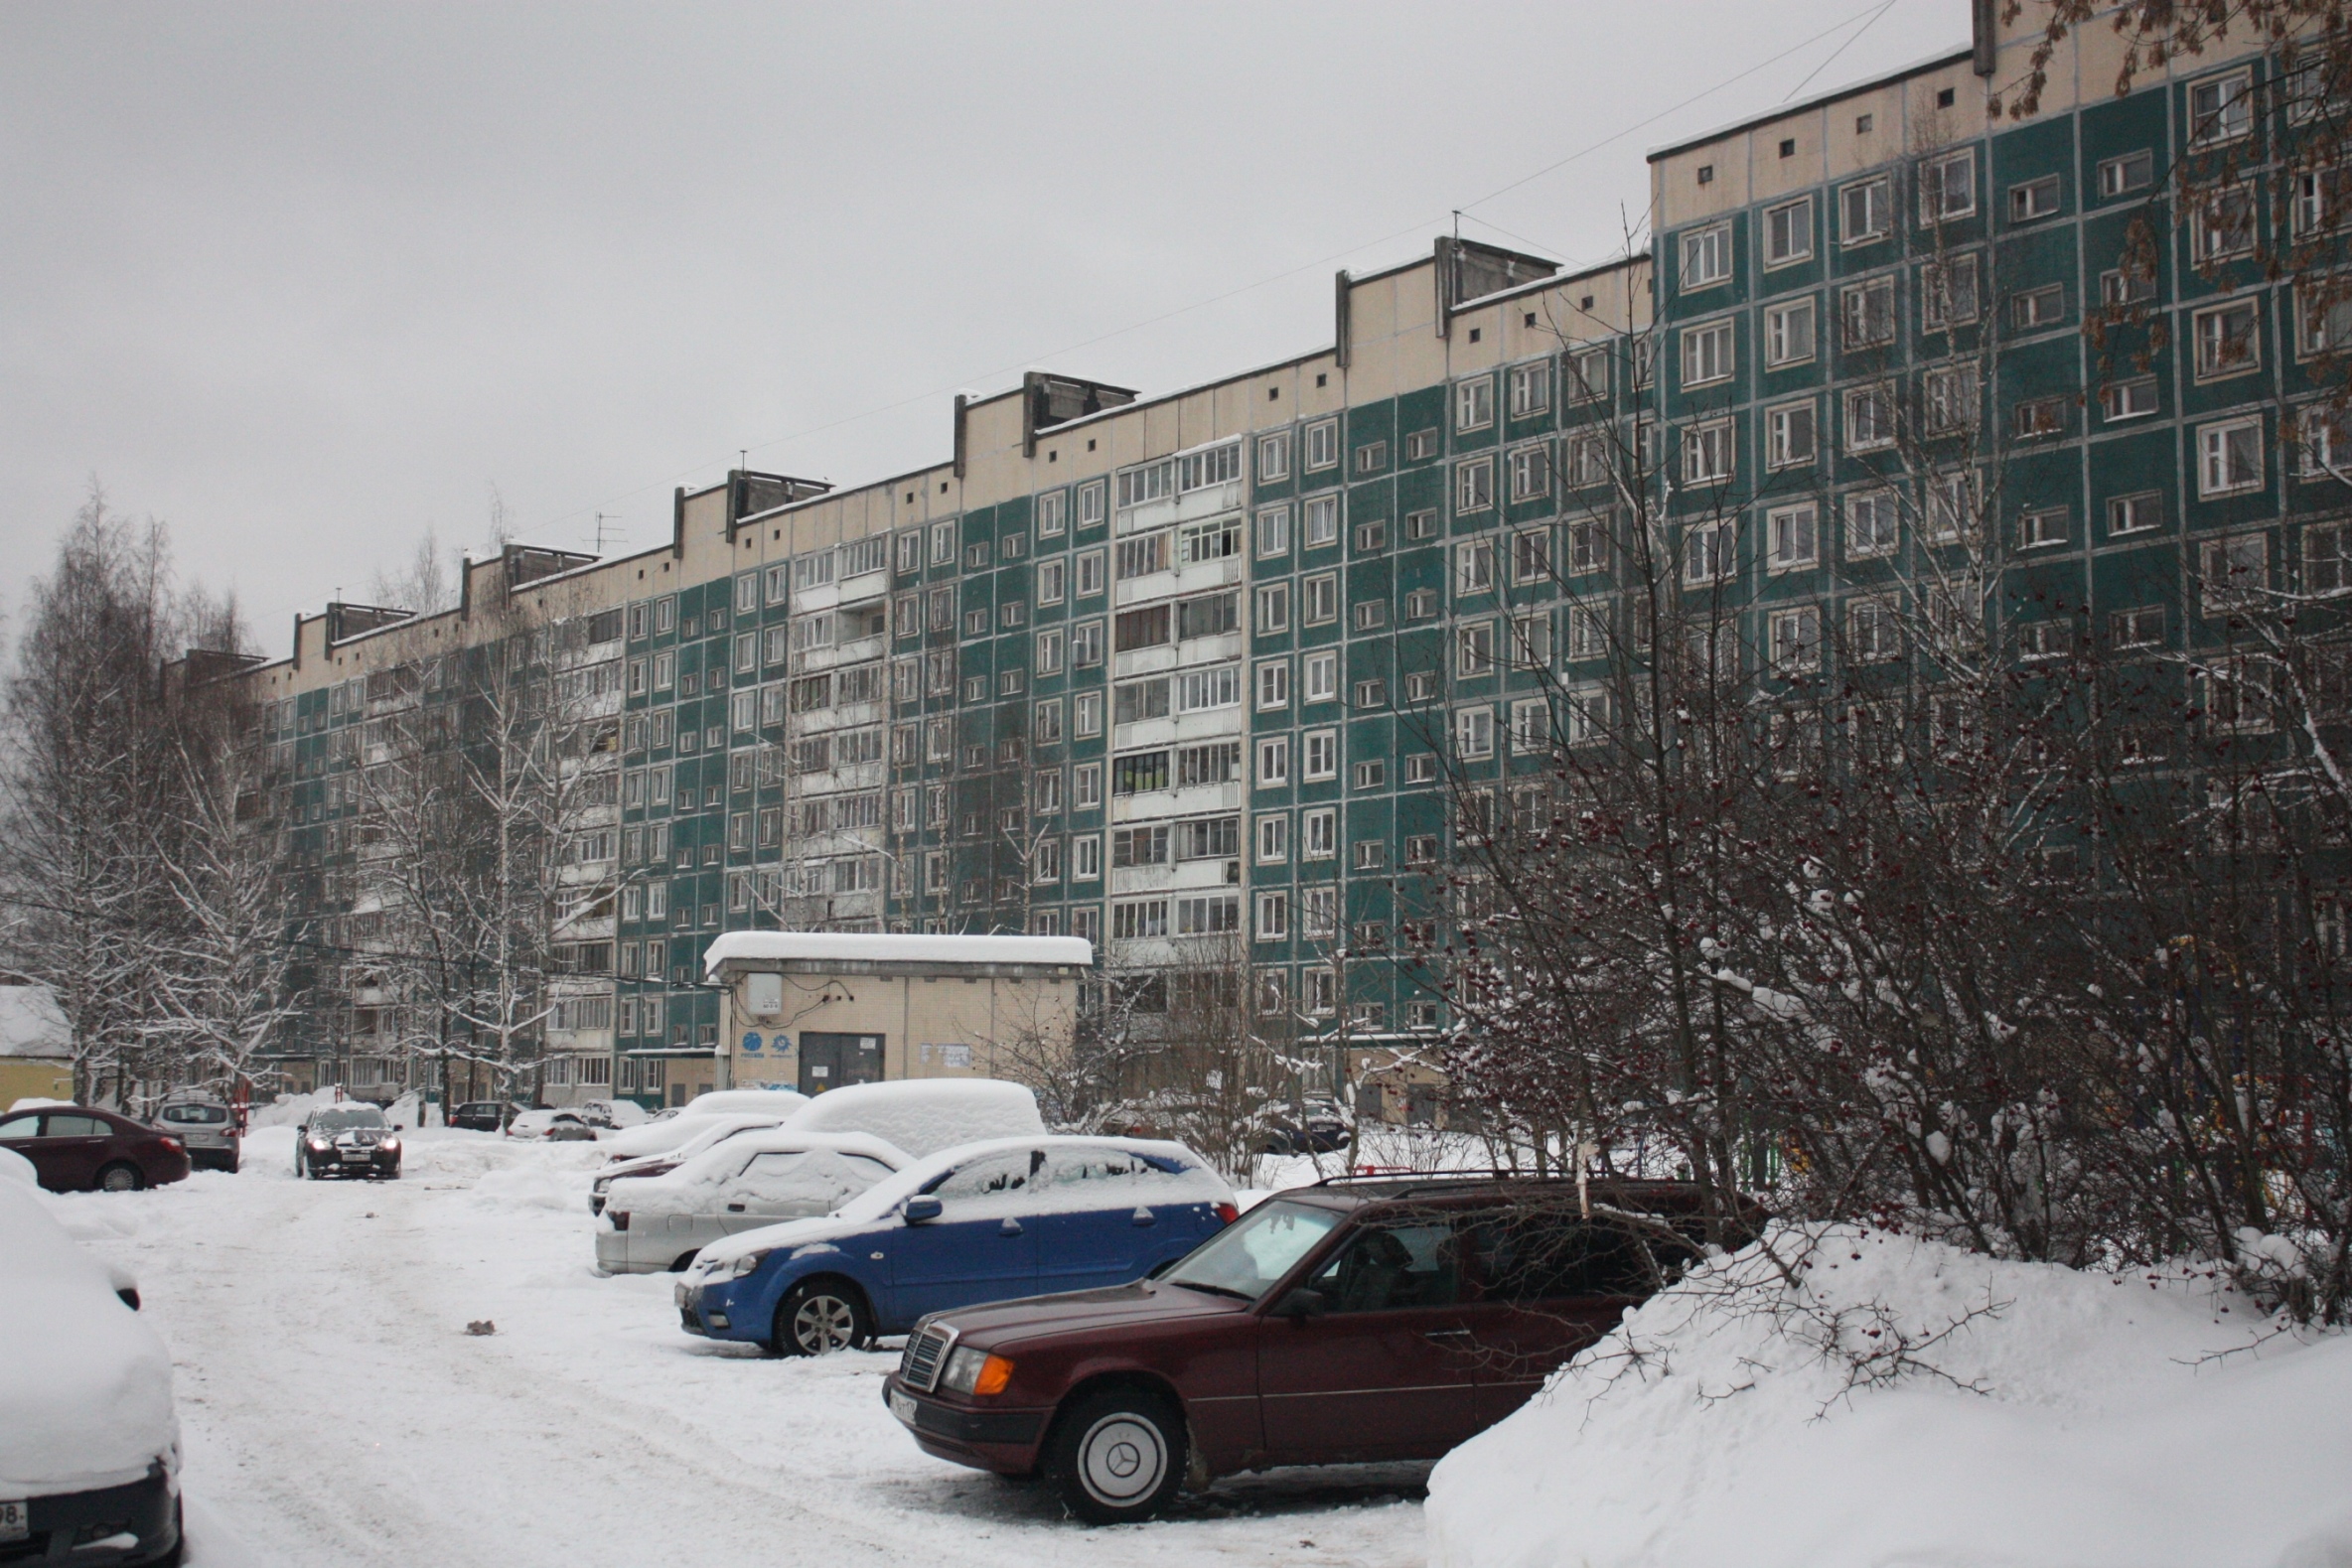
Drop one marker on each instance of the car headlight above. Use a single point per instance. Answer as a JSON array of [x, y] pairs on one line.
[[976, 1371], [748, 1263], [390, 1145], [320, 1146]]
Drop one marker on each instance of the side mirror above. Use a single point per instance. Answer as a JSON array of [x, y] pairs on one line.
[[916, 1210], [1300, 1304]]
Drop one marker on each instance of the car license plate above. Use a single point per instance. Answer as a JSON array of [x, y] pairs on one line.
[[16, 1521], [902, 1407]]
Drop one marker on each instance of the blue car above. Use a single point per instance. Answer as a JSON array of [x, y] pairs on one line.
[[977, 1222]]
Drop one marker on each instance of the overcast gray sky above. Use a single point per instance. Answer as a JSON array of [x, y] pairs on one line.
[[306, 280]]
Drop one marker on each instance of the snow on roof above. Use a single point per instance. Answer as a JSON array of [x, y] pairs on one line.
[[30, 1023], [897, 948], [925, 1115]]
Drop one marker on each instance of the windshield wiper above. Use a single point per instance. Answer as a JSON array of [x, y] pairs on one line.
[[1215, 1290]]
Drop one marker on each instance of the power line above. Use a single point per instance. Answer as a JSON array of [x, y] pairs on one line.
[[1874, 12]]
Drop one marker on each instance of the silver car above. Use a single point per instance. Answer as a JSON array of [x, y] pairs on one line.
[[654, 1222], [209, 1129]]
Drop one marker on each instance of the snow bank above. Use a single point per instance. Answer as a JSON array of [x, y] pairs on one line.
[[925, 1115], [14, 1166], [2071, 1420], [86, 1386]]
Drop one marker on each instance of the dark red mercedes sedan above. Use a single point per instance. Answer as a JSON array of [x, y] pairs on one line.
[[1356, 1320], [78, 1148]]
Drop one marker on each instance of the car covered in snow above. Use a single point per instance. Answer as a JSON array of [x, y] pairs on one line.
[[708, 1131], [926, 1116], [552, 1126], [658, 1222], [612, 1115], [349, 1139], [1352, 1320], [80, 1148], [483, 1115], [980, 1222], [674, 1129], [89, 1438]]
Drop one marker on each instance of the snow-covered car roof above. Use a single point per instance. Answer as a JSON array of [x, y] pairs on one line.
[[784, 1100], [879, 1201], [93, 1407], [925, 1115], [669, 1137], [727, 1157]]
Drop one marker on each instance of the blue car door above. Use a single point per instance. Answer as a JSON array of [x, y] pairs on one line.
[[1099, 1223], [978, 1249]]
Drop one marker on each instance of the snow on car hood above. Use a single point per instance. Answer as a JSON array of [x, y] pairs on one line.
[[86, 1386], [694, 1186]]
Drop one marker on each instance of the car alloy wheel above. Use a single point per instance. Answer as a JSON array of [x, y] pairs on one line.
[[818, 1319], [1119, 1456], [119, 1179]]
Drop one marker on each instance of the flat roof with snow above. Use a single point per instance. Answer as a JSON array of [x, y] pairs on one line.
[[896, 947]]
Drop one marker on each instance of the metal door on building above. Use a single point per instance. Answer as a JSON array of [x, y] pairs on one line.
[[829, 1061]]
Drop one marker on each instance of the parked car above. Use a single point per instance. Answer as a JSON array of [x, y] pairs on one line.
[[709, 1130], [483, 1115], [89, 1441], [652, 1223], [1350, 1321], [79, 1148], [612, 1115], [209, 1129], [550, 1126], [981, 1222], [659, 1139], [1322, 1130], [349, 1139]]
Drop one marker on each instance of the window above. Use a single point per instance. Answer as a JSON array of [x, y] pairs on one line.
[[1200, 542], [1086, 783], [2328, 558], [1090, 500], [2036, 199], [1474, 484], [2230, 456], [1789, 437], [1145, 628], [1273, 531], [2128, 399], [1796, 640], [1421, 443], [2039, 416], [1710, 552], [1318, 834], [2131, 172], [1870, 418], [2141, 628], [1319, 600], [1950, 401], [1707, 452], [1369, 615], [1372, 537], [1950, 508], [1793, 535], [1530, 391], [1273, 457], [1273, 608], [2043, 640], [1789, 332], [1420, 526], [1706, 354], [1322, 521], [2045, 525], [1872, 524], [1588, 376], [1321, 672], [1531, 555], [1371, 775], [1051, 581], [1274, 917], [2319, 199], [1788, 232], [1319, 750], [1273, 839], [1371, 456], [2323, 317], [1947, 187], [1588, 460], [1274, 761], [1872, 632], [1862, 210], [2233, 572], [2228, 339], [1948, 294], [1274, 683], [1474, 566], [1707, 257], [1474, 732], [2221, 109], [2031, 309], [2323, 443], [1867, 313], [2134, 513], [1588, 631], [1474, 649], [1420, 604], [1322, 445], [2222, 227], [1052, 517], [1530, 473], [1090, 573], [1045, 722]]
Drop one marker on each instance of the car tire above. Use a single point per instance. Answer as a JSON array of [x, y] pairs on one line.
[[820, 1315], [1117, 1455], [120, 1177]]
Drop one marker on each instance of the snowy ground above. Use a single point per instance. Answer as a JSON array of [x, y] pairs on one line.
[[334, 1405]]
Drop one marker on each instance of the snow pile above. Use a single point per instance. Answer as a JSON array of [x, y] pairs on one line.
[[2048, 1419], [925, 1115], [14, 1166], [85, 1388]]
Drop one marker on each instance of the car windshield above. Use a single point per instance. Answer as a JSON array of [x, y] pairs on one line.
[[197, 1115], [346, 1117], [1247, 1257]]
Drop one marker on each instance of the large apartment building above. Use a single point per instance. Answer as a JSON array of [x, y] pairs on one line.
[[1194, 672]]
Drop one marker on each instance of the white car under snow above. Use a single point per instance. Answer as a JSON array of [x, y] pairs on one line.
[[89, 1440], [753, 1179]]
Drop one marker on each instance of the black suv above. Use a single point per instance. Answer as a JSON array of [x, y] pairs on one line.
[[481, 1115], [350, 1139]]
